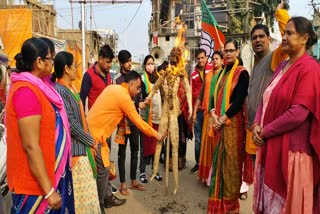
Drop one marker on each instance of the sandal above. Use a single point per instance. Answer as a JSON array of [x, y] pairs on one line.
[[143, 178], [243, 196], [137, 186], [124, 191], [158, 177]]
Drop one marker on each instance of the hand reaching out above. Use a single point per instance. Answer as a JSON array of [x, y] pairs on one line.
[[280, 5], [142, 105], [161, 136]]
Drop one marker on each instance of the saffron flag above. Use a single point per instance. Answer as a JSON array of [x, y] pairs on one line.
[[211, 35]]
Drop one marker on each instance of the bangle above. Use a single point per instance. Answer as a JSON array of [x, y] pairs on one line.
[[49, 194], [212, 110]]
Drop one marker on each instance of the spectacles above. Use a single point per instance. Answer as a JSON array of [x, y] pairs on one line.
[[229, 51], [75, 65], [49, 58]]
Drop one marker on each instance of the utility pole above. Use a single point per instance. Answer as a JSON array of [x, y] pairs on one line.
[[83, 36], [83, 15]]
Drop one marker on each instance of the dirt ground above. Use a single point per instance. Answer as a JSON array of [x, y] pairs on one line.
[[191, 197]]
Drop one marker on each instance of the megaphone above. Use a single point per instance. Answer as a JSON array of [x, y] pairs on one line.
[[158, 55]]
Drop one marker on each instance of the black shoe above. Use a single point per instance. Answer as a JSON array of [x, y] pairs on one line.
[[194, 169], [158, 177], [114, 190], [161, 160], [114, 201], [143, 178]]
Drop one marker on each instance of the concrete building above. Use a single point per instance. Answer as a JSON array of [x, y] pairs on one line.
[[93, 41], [110, 37], [163, 28]]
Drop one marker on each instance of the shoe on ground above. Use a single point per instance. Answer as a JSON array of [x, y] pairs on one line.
[[194, 169], [161, 160], [243, 196], [114, 201], [114, 190], [143, 178], [158, 177]]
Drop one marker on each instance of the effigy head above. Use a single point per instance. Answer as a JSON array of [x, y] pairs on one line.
[[175, 56]]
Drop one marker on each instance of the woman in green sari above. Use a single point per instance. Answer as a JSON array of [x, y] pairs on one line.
[[228, 115], [205, 99]]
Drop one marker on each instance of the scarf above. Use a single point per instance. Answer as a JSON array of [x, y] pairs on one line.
[[211, 81], [72, 90], [148, 116], [227, 88]]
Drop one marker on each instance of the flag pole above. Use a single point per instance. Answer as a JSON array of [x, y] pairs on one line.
[[218, 35], [215, 27]]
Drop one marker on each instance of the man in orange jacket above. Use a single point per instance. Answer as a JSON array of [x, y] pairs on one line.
[[111, 107]]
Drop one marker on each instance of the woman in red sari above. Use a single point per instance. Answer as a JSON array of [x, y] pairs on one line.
[[287, 129]]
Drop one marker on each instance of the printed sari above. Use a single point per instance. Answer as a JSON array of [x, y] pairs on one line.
[[37, 203], [207, 139], [229, 151], [84, 170]]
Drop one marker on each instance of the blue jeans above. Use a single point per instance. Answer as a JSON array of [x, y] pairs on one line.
[[197, 135]]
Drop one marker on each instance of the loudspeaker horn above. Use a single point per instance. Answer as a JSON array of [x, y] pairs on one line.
[[158, 55]]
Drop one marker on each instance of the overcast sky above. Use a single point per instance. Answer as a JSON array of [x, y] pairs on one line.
[[130, 21]]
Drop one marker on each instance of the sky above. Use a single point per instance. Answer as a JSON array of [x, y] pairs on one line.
[[130, 21]]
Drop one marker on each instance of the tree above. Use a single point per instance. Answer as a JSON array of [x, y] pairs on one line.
[[237, 15]]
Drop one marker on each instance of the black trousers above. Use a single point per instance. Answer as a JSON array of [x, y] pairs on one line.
[[134, 148], [103, 184]]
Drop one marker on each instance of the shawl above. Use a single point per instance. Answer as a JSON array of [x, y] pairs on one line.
[[224, 88], [298, 86], [181, 93]]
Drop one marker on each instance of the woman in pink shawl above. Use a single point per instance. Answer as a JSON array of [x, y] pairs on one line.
[[38, 137], [287, 129]]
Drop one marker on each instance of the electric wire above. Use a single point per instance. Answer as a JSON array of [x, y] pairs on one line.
[[131, 19]]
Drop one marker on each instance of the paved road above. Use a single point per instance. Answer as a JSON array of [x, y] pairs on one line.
[[191, 197]]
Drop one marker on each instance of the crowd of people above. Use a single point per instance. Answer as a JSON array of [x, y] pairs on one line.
[[260, 128]]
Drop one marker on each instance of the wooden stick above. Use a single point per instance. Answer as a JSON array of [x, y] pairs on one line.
[[167, 163]]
